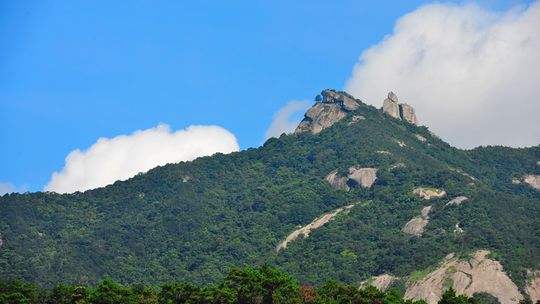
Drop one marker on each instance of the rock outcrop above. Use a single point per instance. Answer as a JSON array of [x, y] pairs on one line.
[[417, 224], [337, 182], [381, 282], [457, 200], [399, 110], [533, 285], [532, 180], [333, 107], [475, 275], [429, 193], [365, 177], [357, 176], [306, 230]]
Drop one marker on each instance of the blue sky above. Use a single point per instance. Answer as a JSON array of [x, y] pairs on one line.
[[74, 71]]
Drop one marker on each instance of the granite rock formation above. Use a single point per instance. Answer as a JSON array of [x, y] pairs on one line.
[[399, 110], [333, 107]]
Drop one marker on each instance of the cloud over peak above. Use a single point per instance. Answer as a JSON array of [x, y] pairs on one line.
[[472, 74], [123, 156]]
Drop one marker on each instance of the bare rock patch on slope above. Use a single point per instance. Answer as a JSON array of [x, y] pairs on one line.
[[429, 193], [532, 180], [457, 201], [307, 229], [533, 285], [381, 282], [417, 224], [357, 176], [467, 276]]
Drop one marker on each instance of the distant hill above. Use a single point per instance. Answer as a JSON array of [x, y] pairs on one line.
[[354, 193]]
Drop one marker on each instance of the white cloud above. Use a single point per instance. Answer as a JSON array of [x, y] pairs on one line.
[[122, 157], [473, 75], [286, 119], [6, 187]]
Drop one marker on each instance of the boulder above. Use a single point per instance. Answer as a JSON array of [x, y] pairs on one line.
[[391, 107], [337, 182], [417, 224], [399, 110], [364, 177]]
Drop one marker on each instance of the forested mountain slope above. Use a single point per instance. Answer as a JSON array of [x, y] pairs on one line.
[[195, 220]]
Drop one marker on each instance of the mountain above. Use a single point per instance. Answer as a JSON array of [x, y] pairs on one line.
[[356, 193]]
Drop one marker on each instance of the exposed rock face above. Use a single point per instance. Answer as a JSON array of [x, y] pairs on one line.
[[477, 275], [457, 200], [337, 182], [364, 177], [533, 285], [532, 180], [391, 106], [306, 230], [333, 108], [417, 224], [429, 193], [458, 229], [381, 282], [407, 113], [399, 110]]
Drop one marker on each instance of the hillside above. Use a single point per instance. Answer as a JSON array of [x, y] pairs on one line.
[[195, 220]]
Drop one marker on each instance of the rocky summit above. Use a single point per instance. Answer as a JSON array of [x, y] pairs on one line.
[[332, 107]]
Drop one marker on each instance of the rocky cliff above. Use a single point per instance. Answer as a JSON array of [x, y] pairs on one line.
[[332, 107]]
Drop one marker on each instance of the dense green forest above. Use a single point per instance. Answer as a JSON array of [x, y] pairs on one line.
[[264, 285], [195, 221]]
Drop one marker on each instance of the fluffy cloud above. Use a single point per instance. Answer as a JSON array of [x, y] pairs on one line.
[[472, 74], [121, 157], [287, 118]]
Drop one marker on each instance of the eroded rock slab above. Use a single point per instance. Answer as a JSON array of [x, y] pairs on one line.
[[381, 282], [457, 201], [357, 176], [417, 224], [337, 182], [475, 275], [532, 180], [307, 229], [533, 285], [429, 193], [364, 177]]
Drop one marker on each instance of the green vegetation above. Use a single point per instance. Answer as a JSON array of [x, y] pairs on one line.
[[264, 285], [234, 209]]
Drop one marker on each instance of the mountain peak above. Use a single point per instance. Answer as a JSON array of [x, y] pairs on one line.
[[332, 106]]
